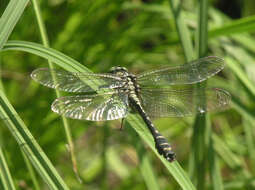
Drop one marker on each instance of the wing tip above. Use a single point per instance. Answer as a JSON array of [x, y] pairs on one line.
[[223, 97], [225, 93], [217, 65]]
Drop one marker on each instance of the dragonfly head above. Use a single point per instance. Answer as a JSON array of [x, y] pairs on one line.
[[121, 71]]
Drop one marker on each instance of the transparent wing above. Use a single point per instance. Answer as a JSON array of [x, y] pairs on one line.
[[180, 103], [92, 107], [74, 82], [192, 72]]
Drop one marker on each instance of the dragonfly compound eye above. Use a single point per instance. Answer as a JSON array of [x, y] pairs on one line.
[[118, 69]]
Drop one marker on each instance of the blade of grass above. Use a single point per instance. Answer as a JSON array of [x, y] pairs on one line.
[[55, 56], [116, 164], [145, 165], [246, 24], [240, 184], [29, 145], [148, 174], [232, 160], [9, 19], [5, 175], [73, 66], [214, 169], [104, 174], [215, 173], [201, 124], [31, 171], [64, 119], [249, 136], [235, 67], [202, 42], [186, 42], [182, 29], [231, 28], [198, 148], [242, 109], [246, 41]]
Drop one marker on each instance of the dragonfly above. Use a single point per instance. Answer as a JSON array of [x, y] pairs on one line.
[[112, 95]]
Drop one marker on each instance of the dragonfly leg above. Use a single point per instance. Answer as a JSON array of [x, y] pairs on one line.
[[122, 123]]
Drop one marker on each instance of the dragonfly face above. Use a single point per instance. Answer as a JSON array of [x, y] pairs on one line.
[[149, 93]]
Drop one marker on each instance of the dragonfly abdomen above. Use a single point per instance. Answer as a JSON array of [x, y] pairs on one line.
[[161, 144]]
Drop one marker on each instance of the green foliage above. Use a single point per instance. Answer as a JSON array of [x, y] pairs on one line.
[[216, 151]]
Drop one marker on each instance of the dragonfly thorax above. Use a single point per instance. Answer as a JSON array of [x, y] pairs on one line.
[[131, 85]]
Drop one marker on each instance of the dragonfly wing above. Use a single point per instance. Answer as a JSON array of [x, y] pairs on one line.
[[75, 82], [180, 103], [92, 107], [192, 72]]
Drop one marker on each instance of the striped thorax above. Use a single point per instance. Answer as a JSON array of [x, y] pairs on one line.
[[131, 86]]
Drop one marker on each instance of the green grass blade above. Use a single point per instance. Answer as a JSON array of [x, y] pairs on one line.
[[235, 67], [73, 66], [242, 109], [116, 164], [182, 29], [31, 172], [247, 41], [246, 24], [198, 148], [9, 19], [29, 145], [232, 160], [231, 28], [5, 176], [146, 167], [57, 57], [64, 119], [185, 38], [148, 173], [202, 44], [214, 168], [240, 184], [201, 124], [249, 136]]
